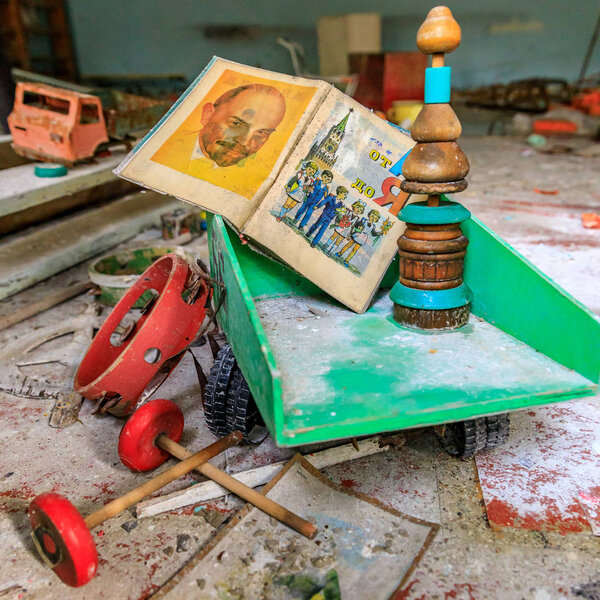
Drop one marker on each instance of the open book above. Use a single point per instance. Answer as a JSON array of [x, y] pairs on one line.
[[296, 166]]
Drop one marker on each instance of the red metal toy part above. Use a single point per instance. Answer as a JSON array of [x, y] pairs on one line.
[[63, 539], [151, 347], [137, 448]]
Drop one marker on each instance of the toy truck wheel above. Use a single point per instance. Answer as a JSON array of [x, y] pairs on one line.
[[216, 392], [228, 402], [137, 448], [498, 430], [242, 414], [467, 438]]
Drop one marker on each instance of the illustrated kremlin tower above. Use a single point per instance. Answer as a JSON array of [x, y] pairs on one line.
[[324, 153]]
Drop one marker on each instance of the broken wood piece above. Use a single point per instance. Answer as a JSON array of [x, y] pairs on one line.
[[29, 258], [44, 304], [118, 505], [209, 490], [65, 411], [151, 435]]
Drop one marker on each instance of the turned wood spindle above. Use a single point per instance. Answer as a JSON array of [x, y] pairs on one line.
[[433, 247]]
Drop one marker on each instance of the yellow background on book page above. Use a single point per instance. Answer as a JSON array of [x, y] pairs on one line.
[[181, 151]]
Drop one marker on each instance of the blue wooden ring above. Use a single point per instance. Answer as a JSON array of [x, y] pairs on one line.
[[49, 170], [421, 214], [431, 300], [437, 85]]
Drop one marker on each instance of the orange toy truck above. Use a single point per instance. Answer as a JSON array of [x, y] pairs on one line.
[[55, 124]]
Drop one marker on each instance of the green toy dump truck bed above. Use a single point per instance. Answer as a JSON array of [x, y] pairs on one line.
[[319, 371]]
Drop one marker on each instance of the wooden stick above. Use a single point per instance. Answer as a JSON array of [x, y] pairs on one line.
[[189, 464], [209, 490], [44, 304], [265, 504], [437, 59]]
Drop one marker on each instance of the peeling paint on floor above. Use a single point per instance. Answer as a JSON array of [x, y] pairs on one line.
[[548, 477]]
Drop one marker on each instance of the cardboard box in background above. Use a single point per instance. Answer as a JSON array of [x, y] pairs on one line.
[[339, 36]]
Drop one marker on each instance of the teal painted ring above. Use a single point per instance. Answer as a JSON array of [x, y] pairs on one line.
[[421, 214], [431, 300], [437, 85], [49, 170]]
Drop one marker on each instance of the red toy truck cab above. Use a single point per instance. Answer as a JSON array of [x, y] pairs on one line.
[[49, 123]]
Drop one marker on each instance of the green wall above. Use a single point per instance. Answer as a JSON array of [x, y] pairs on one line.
[[548, 38]]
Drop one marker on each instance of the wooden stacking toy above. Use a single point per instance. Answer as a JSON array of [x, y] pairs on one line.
[[62, 535], [430, 293], [150, 436]]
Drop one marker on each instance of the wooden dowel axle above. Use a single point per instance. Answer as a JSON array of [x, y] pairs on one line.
[[192, 462], [437, 60], [265, 504]]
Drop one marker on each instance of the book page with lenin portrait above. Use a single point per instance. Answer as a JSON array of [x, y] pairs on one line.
[[232, 130]]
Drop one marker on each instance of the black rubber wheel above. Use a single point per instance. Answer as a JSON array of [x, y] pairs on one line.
[[216, 393], [228, 403], [242, 413], [467, 438], [498, 427]]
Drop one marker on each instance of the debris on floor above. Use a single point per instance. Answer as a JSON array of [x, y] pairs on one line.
[[371, 547], [587, 591], [590, 220], [209, 490], [56, 351]]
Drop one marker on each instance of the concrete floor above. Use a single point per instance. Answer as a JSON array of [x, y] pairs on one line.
[[468, 559]]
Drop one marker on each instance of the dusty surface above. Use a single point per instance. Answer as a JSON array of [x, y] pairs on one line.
[[467, 559], [368, 547], [495, 367]]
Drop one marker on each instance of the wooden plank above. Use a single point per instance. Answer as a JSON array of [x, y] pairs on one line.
[[209, 490], [18, 221], [27, 259], [22, 189], [45, 303]]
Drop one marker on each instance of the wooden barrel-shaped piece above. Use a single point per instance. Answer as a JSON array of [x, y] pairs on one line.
[[432, 256]]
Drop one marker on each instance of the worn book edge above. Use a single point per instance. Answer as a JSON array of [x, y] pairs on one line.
[[322, 89]]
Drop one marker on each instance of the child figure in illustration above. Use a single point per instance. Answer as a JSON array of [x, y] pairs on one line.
[[330, 205], [386, 226], [361, 233], [318, 191], [298, 187], [343, 227]]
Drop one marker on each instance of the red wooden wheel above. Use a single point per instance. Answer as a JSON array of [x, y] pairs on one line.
[[63, 539], [161, 333], [137, 448]]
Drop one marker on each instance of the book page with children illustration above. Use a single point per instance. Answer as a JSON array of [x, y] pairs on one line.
[[225, 140], [328, 213]]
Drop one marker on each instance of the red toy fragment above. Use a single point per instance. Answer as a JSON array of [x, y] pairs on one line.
[[137, 448], [63, 539], [554, 126], [590, 220], [151, 347]]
